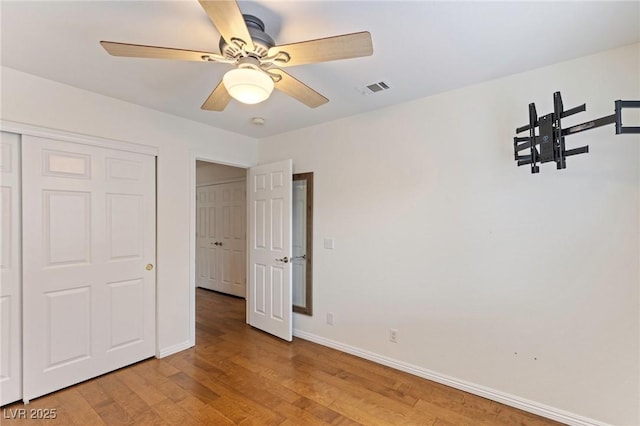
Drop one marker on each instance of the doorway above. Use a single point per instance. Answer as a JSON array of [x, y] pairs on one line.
[[207, 172], [221, 228]]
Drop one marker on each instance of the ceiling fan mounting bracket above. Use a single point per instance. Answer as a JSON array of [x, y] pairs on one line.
[[274, 75], [249, 61], [254, 63], [280, 57], [262, 41], [212, 57]]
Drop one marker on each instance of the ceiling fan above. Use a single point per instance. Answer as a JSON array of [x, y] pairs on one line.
[[255, 57]]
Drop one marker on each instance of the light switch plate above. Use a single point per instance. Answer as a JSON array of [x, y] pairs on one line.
[[328, 243]]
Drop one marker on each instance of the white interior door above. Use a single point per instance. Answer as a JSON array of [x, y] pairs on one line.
[[221, 238], [233, 241], [88, 254], [269, 198], [207, 238], [10, 303]]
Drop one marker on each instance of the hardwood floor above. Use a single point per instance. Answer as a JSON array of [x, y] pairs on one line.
[[238, 375]]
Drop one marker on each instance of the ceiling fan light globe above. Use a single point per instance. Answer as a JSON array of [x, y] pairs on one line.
[[247, 85]]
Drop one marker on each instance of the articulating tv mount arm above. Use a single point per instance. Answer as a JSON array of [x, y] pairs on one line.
[[551, 135]]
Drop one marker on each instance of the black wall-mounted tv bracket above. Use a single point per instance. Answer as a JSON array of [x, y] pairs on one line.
[[550, 137]]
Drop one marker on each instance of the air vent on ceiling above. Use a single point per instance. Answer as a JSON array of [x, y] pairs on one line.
[[375, 88]]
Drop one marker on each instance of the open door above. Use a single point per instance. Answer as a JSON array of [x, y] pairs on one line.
[[269, 304]]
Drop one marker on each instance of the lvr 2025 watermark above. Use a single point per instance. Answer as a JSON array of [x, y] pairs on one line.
[[29, 413]]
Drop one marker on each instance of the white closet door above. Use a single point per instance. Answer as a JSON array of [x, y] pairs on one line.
[[269, 198], [88, 253], [208, 250], [233, 243], [221, 238], [10, 303]]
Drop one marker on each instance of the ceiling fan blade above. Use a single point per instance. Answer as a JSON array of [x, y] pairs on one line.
[[227, 18], [298, 90], [324, 49], [218, 99], [155, 52]]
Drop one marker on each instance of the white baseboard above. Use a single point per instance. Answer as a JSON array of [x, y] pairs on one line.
[[174, 349], [485, 392]]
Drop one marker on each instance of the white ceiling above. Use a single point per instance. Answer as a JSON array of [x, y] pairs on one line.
[[420, 48]]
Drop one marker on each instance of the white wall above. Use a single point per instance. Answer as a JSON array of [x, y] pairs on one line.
[[525, 284], [212, 172], [33, 100]]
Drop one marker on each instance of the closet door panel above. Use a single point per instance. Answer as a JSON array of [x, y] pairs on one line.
[[89, 255], [221, 238], [10, 270]]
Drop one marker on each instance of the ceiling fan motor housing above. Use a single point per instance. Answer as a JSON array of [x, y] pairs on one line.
[[261, 40]]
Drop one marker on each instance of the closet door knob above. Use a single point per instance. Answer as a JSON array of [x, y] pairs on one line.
[[149, 266]]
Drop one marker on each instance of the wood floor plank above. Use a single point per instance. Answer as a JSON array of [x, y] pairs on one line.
[[359, 368], [481, 406], [354, 392], [203, 413], [76, 409], [113, 414], [296, 415], [93, 393], [141, 387], [237, 375], [123, 396], [172, 413], [194, 388], [322, 412], [148, 418], [173, 391], [359, 377], [370, 413]]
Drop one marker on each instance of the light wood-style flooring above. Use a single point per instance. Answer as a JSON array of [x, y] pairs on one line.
[[239, 375]]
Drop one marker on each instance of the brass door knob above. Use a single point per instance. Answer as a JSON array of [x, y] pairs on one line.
[[149, 266]]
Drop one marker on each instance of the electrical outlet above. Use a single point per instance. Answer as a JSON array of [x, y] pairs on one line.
[[330, 318], [393, 335]]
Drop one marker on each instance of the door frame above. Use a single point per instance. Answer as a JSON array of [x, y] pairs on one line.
[[65, 136], [193, 190]]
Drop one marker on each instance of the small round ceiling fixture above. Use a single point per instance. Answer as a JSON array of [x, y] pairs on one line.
[[258, 121]]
